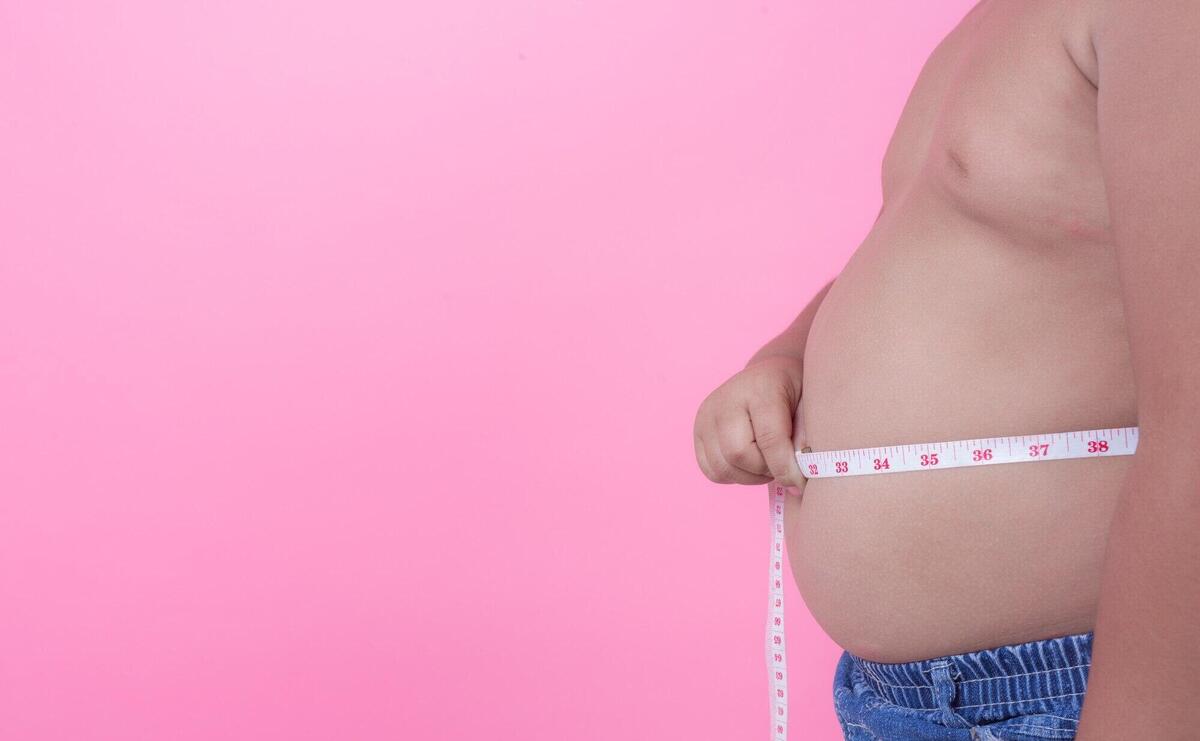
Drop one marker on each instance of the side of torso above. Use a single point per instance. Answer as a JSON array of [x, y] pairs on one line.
[[984, 302]]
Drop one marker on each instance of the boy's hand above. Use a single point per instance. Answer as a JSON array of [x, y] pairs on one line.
[[744, 429]]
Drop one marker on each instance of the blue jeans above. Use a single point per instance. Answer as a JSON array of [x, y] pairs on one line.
[[1019, 692]]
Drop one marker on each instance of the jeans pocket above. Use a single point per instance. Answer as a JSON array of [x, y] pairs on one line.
[[857, 732], [1033, 727], [852, 730]]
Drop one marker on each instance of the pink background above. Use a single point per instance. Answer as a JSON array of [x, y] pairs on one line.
[[349, 354]]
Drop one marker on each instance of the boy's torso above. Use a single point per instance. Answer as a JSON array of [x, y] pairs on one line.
[[985, 302]]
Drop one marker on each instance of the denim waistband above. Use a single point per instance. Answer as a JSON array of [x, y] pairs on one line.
[[1051, 668]]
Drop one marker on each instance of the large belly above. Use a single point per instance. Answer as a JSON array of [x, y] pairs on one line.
[[939, 329]]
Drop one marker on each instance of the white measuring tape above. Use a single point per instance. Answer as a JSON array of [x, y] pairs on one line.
[[916, 457]]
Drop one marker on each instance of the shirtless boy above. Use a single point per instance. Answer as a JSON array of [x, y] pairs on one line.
[[1035, 267]]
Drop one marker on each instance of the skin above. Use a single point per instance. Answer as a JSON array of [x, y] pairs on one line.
[[1034, 268], [1146, 663]]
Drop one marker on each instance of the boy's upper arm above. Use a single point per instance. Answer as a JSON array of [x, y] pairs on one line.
[[1148, 113]]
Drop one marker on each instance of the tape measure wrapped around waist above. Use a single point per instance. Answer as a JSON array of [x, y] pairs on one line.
[[896, 459]]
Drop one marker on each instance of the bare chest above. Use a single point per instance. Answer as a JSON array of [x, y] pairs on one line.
[[1002, 123]]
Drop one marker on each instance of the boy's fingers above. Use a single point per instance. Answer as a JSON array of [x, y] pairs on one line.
[[736, 437], [697, 442], [771, 421], [726, 472], [702, 459]]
